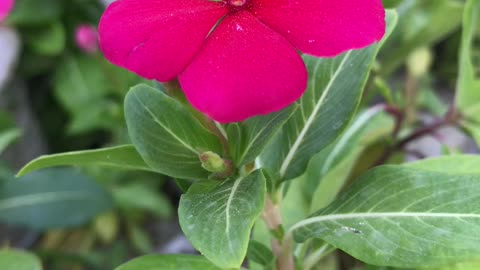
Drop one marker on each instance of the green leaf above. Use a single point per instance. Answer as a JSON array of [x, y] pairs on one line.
[[7, 137], [402, 217], [54, 198], [391, 3], [124, 157], [259, 253], [48, 40], [218, 217], [82, 86], [166, 135], [473, 128], [138, 196], [8, 131], [168, 262], [468, 94], [454, 164], [18, 260], [329, 170], [320, 118], [459, 266], [34, 12], [248, 139], [140, 239]]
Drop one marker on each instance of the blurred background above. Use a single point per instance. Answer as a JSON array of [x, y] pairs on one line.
[[58, 94]]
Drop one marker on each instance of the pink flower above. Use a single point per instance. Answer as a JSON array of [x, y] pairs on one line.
[[86, 37], [235, 58], [5, 8]]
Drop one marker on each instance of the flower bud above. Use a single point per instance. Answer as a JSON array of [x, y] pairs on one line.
[[212, 162], [86, 37], [419, 62]]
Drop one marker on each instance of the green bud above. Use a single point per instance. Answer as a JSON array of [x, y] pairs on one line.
[[419, 62], [212, 162]]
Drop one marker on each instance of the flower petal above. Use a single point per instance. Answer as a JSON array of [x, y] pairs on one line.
[[324, 27], [244, 69], [5, 8], [157, 38]]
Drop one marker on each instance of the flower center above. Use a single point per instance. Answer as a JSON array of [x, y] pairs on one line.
[[237, 3]]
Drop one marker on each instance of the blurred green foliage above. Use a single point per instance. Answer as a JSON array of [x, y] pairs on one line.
[[78, 98]]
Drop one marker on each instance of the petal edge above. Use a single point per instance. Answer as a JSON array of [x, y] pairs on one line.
[[324, 28], [156, 38]]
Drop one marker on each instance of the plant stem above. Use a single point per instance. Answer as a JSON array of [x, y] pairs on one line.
[[212, 126], [411, 98], [281, 246], [450, 118], [399, 119]]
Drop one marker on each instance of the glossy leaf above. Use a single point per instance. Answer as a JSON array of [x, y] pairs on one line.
[[402, 217], [18, 260], [248, 139], [123, 157], [54, 198], [166, 135], [168, 262], [334, 91], [217, 217]]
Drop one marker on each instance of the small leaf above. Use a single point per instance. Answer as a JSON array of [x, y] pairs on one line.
[[8, 131], [7, 137], [166, 135], [140, 239], [333, 94], [402, 217], [18, 260], [54, 198], [124, 157], [248, 139], [218, 217], [84, 89], [468, 94], [138, 196], [259, 253], [169, 262]]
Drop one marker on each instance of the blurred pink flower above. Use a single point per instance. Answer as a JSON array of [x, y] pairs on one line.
[[235, 58], [5, 8], [86, 37]]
